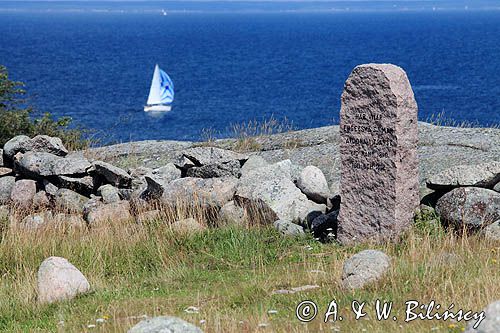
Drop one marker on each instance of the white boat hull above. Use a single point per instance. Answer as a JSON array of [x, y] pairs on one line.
[[158, 108]]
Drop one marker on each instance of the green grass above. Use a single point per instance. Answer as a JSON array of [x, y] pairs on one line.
[[230, 275]]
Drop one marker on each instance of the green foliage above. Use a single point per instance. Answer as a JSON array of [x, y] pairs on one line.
[[16, 117]]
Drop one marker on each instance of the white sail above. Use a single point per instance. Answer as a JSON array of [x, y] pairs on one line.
[[162, 88]]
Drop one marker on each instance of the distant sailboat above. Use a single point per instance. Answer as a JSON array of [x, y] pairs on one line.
[[161, 93]]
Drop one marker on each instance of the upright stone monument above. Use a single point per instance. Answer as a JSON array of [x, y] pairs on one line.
[[379, 163]]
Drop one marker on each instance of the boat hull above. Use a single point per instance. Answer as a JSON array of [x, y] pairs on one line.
[[158, 108]]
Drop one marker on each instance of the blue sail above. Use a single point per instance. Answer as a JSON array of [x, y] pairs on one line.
[[162, 88], [166, 88]]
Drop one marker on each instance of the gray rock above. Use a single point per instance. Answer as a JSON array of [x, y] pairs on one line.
[[188, 225], [83, 185], [479, 175], [23, 192], [324, 227], [114, 175], [497, 187], [312, 183], [5, 171], [13, 146], [168, 172], [492, 231], [470, 207], [364, 267], [227, 169], [253, 162], [69, 220], [50, 188], [272, 190], [159, 179], [491, 322], [6, 185], [40, 164], [109, 193], [1, 157], [36, 221], [211, 192], [69, 200], [41, 199], [211, 155], [164, 324], [155, 188], [97, 213], [44, 143], [288, 228], [232, 214], [59, 280]]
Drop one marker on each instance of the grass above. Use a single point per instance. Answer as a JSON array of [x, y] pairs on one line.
[[247, 134], [230, 274]]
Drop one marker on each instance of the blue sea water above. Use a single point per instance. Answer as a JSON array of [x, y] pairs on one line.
[[236, 62]]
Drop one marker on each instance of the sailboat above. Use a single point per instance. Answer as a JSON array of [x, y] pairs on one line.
[[161, 93]]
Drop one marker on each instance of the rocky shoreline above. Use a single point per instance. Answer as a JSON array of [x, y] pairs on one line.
[[439, 148]]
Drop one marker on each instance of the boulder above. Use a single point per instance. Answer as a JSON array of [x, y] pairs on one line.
[[480, 175], [312, 183], [497, 187], [364, 267], [470, 207], [69, 200], [50, 188], [164, 324], [44, 143], [324, 227], [272, 190], [41, 164], [211, 192], [227, 169], [96, 213], [150, 215], [83, 185], [36, 221], [59, 280], [109, 193], [41, 199], [209, 155], [253, 162], [159, 179], [492, 231], [490, 323], [23, 192], [188, 225], [69, 220], [1, 157], [114, 175], [13, 146], [232, 214], [6, 185], [168, 172], [288, 228], [5, 171]]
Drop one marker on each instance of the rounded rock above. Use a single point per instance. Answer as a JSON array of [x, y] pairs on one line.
[[59, 280], [365, 267]]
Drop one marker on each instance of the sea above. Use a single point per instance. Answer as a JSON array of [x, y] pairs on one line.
[[235, 63]]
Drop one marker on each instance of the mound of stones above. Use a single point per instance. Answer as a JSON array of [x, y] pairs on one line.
[[467, 197], [41, 175]]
